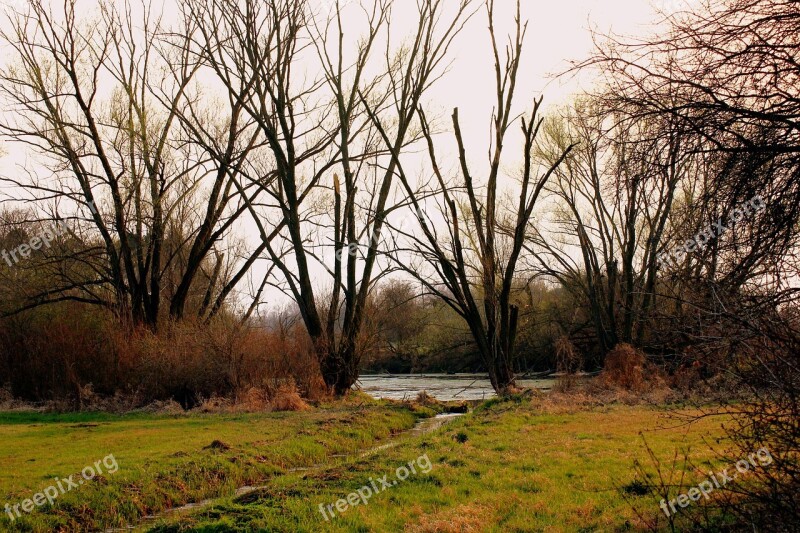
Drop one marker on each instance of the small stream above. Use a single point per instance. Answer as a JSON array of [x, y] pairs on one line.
[[443, 387], [422, 427]]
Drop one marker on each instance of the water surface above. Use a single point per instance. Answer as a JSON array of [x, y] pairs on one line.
[[444, 387]]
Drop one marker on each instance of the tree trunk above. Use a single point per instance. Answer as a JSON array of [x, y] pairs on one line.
[[502, 376], [339, 369]]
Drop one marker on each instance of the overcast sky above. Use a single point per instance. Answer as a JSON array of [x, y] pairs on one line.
[[558, 32]]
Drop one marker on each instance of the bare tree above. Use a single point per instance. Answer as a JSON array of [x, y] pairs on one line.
[[612, 201], [475, 264], [108, 104], [323, 145], [725, 73]]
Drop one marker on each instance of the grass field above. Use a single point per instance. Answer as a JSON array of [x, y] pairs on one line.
[[508, 466]]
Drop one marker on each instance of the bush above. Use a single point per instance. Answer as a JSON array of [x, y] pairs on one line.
[[627, 368], [766, 360], [54, 352], [76, 358]]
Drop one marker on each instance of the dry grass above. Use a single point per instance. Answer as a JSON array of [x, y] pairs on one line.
[[286, 398], [70, 361], [627, 368], [465, 518]]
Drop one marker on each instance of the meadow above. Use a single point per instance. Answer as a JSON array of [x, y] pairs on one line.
[[517, 465]]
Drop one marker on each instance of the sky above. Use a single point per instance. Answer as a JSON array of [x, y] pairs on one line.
[[558, 32]]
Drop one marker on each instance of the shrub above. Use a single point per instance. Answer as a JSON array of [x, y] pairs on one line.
[[77, 358], [624, 368], [286, 398], [568, 363], [627, 368]]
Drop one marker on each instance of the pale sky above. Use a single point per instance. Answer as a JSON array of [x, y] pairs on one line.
[[557, 33]]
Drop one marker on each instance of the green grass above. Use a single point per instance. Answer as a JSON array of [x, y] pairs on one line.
[[508, 466], [164, 460], [505, 468]]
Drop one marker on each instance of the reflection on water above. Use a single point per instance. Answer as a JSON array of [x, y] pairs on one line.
[[443, 387]]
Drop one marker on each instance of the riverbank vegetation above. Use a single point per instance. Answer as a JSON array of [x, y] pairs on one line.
[[611, 219]]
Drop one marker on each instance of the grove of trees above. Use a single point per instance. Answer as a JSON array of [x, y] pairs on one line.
[[256, 192], [209, 155]]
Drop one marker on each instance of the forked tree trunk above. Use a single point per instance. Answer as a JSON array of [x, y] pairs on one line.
[[502, 377], [339, 369]]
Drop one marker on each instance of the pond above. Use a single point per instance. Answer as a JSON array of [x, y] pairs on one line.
[[443, 387]]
